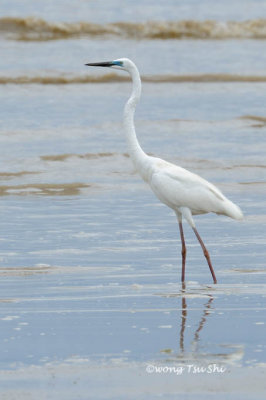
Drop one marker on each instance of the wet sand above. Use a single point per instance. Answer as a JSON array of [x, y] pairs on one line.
[[99, 300]]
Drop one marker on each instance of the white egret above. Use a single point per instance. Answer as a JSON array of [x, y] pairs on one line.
[[185, 192]]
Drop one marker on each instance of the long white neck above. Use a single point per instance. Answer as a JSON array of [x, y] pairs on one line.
[[138, 156]]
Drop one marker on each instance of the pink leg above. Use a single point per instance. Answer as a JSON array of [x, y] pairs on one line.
[[183, 252], [206, 253]]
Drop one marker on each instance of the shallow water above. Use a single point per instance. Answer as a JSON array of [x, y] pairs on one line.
[[90, 260]]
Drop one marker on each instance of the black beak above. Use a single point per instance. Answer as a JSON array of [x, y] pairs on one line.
[[101, 64]]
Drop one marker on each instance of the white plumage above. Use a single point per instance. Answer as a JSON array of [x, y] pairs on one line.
[[177, 187], [185, 192]]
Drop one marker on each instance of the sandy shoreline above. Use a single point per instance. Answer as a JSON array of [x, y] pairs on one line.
[[80, 379]]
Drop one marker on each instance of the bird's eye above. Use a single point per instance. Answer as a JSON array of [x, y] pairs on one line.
[[119, 63]]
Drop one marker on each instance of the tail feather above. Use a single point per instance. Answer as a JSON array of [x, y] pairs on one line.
[[233, 211]]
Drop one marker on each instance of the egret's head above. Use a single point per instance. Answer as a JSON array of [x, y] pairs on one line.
[[121, 63]]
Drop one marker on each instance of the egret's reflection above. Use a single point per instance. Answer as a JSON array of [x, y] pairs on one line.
[[206, 312], [183, 318], [193, 352], [219, 352]]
